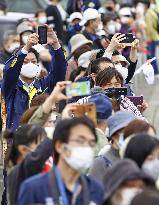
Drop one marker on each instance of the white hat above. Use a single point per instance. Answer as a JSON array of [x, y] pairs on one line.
[[77, 41], [84, 59], [75, 15], [89, 14], [126, 11]]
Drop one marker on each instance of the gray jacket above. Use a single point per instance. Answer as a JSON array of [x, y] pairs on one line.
[[103, 162]]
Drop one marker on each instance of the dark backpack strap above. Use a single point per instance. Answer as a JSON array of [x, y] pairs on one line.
[[86, 195], [106, 160], [54, 188], [55, 191]]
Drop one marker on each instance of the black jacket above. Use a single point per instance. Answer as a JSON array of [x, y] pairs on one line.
[[131, 71], [32, 164], [55, 20]]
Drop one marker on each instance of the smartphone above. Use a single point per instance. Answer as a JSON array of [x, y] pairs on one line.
[[42, 32], [78, 89], [88, 110], [116, 92], [137, 100], [129, 38]]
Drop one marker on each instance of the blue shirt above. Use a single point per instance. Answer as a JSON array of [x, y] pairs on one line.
[[36, 190]]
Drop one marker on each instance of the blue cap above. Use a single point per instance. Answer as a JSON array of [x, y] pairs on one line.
[[119, 120], [103, 105]]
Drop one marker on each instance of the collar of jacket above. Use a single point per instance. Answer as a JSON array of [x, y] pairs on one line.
[[36, 84]]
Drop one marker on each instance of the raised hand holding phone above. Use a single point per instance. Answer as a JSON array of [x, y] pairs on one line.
[[52, 38], [32, 41]]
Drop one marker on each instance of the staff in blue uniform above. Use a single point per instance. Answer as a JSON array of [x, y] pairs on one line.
[[20, 84]]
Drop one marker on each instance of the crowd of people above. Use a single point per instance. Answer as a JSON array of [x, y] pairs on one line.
[[92, 145]]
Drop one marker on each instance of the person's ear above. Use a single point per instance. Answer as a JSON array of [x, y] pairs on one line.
[[93, 76], [60, 147], [23, 150]]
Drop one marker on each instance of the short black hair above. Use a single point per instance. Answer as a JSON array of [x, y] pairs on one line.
[[63, 128], [94, 66], [32, 50], [139, 147], [105, 76]]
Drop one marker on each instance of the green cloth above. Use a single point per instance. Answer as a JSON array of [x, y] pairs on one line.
[[151, 25], [102, 140], [39, 117], [157, 5]]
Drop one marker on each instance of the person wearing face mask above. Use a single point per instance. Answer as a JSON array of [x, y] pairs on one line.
[[125, 67], [123, 181], [92, 23], [24, 29], [126, 20], [73, 24], [10, 44], [40, 118], [110, 153], [28, 153], [74, 141], [41, 17], [20, 85], [147, 156]]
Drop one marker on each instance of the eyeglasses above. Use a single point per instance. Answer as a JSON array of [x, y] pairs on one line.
[[82, 142]]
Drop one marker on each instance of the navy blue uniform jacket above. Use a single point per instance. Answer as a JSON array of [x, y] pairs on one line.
[[16, 98], [36, 190]]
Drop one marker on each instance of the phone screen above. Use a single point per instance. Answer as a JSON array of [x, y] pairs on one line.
[[137, 100], [42, 32], [78, 89], [129, 38]]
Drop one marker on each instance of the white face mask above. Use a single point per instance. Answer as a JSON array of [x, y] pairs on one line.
[[81, 158], [127, 194], [25, 39], [122, 70], [111, 29], [42, 19], [124, 20], [29, 70], [140, 9], [151, 167], [49, 131], [118, 26], [13, 46], [100, 26]]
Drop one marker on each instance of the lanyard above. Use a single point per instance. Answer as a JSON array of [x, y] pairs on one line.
[[62, 190], [31, 93]]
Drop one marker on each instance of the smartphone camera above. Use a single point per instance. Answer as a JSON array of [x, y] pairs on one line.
[[42, 32]]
